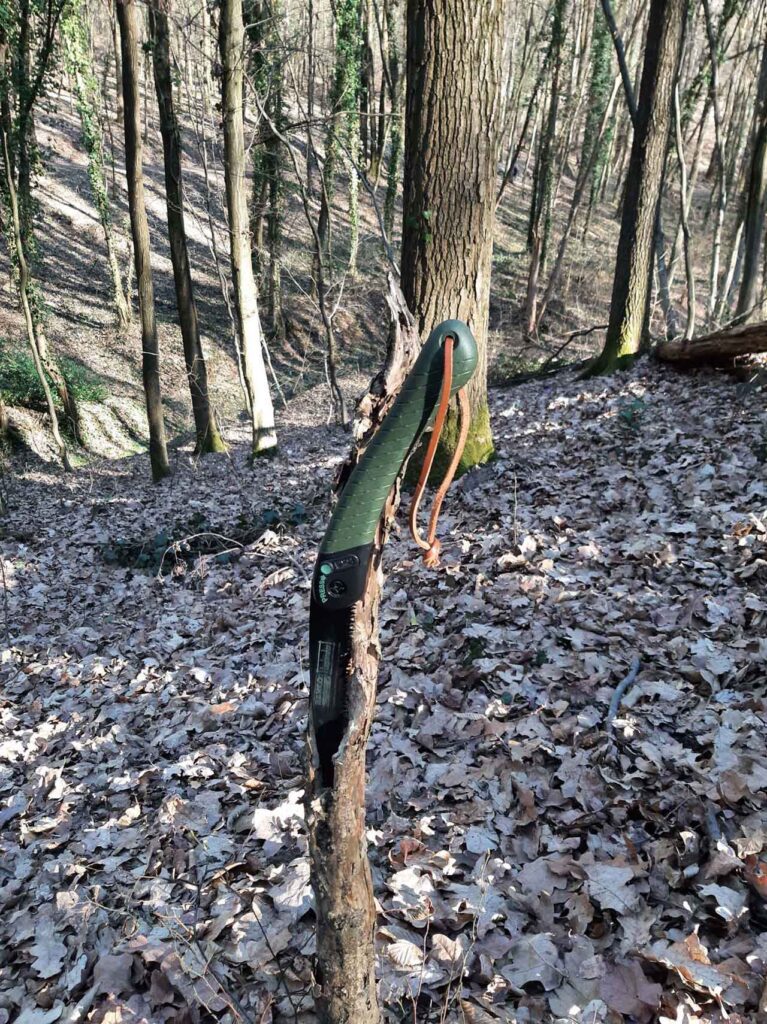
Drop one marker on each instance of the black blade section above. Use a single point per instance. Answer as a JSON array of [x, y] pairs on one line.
[[329, 652]]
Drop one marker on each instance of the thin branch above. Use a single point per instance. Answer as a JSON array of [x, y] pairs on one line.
[[621, 688]]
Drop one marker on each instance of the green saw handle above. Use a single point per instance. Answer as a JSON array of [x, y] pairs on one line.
[[361, 503], [345, 548]]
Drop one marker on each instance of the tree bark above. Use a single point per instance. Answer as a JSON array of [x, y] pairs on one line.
[[78, 62], [150, 361], [119, 107], [659, 241], [206, 429], [451, 153], [29, 74], [335, 815], [683, 200], [394, 81], [541, 211], [756, 199], [717, 348], [24, 287], [631, 283], [722, 170], [231, 32], [590, 158]]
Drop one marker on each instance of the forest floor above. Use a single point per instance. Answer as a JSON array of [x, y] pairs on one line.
[[533, 861]]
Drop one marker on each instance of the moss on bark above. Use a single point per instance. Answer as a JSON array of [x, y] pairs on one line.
[[212, 441], [478, 450]]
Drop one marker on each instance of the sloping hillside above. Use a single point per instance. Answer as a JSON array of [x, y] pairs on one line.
[[534, 861]]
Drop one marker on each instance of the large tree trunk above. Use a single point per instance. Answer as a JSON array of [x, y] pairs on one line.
[[150, 361], [720, 347], [335, 815], [208, 437], [756, 200], [231, 33], [631, 283], [451, 152]]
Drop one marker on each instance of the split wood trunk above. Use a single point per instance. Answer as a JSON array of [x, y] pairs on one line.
[[335, 815]]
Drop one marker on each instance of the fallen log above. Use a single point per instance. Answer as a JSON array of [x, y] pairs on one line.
[[719, 347]]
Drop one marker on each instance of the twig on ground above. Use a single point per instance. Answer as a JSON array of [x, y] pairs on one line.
[[6, 613], [621, 688]]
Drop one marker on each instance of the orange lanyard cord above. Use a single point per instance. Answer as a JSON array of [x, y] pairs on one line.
[[431, 546]]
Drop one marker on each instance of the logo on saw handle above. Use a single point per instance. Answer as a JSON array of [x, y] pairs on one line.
[[327, 588]]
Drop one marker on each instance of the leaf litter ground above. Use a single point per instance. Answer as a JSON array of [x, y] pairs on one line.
[[532, 860]]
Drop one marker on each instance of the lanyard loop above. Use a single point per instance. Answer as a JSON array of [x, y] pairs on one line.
[[431, 546]]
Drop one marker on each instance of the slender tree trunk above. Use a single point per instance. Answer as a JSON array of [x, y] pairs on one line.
[[659, 241], [384, 92], [453, 107], [150, 363], [28, 83], [24, 287], [734, 268], [231, 41], [367, 89], [395, 100], [24, 124], [206, 429], [721, 166], [344, 129], [590, 158], [310, 73], [541, 211], [683, 201], [756, 199], [631, 283], [693, 181], [257, 22], [268, 61], [118, 63], [87, 102]]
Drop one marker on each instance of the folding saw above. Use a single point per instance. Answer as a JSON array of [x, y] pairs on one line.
[[444, 366]]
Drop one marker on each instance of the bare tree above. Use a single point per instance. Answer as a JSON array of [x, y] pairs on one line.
[[756, 198], [150, 350], [208, 436], [231, 40], [631, 283]]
